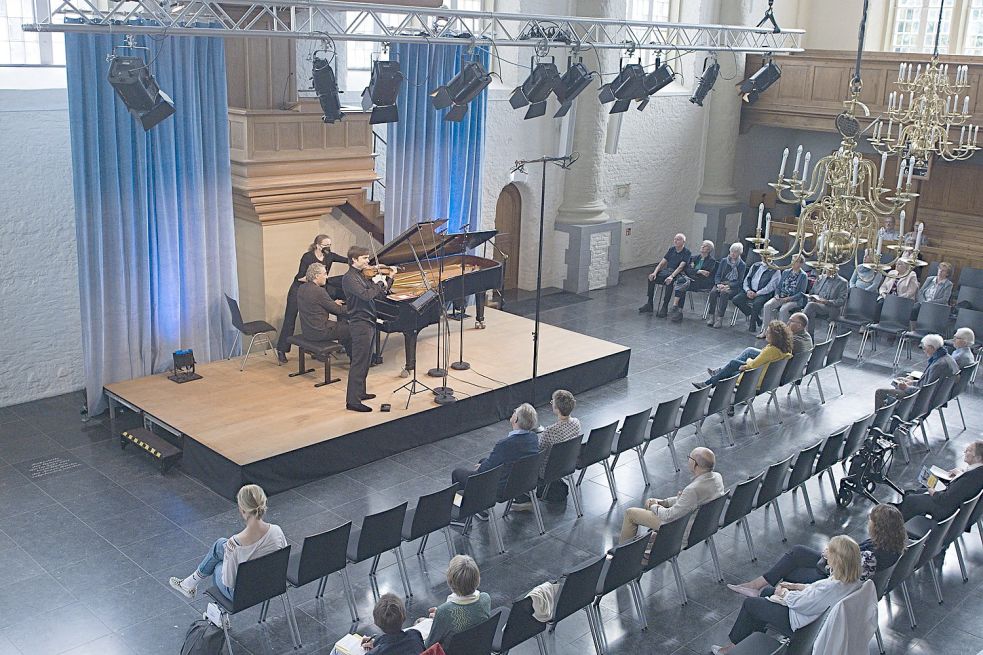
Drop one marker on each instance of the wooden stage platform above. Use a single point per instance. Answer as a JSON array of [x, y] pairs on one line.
[[261, 426]]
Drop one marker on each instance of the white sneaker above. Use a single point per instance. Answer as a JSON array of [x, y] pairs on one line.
[[716, 650], [181, 589], [744, 591]]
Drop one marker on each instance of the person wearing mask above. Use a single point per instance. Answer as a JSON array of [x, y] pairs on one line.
[[726, 284], [666, 272], [901, 281], [759, 286], [937, 289], [827, 298], [867, 276], [697, 276], [788, 297], [940, 366]]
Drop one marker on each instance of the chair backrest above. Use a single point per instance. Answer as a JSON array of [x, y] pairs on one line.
[[624, 565], [971, 277], [476, 640], [922, 404], [523, 478], [722, 396], [772, 377], [747, 388], [817, 358], [742, 499], [234, 310], [480, 491], [803, 467], [773, 483], [632, 432], [881, 419], [930, 270], [857, 431], [664, 419], [707, 521], [906, 564], [794, 370], [943, 391], [906, 404], [323, 554], [966, 510], [976, 514], [803, 639], [835, 354], [258, 580], [597, 448], [561, 460], [433, 512], [861, 306], [520, 625], [668, 541], [971, 318], [933, 318], [881, 578], [380, 532], [577, 589], [895, 313], [971, 295], [962, 380], [936, 539], [693, 409], [832, 449]]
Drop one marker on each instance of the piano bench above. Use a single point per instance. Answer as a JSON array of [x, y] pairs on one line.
[[319, 349]]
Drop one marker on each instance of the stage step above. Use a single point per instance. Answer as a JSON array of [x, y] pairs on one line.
[[165, 452]]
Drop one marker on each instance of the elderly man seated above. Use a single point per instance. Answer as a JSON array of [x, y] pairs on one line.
[[798, 324], [705, 486], [966, 482], [726, 284], [962, 342], [666, 272], [827, 298], [940, 366]]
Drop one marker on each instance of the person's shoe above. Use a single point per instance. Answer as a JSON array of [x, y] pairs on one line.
[[752, 327], [521, 507], [368, 396], [359, 407], [675, 314], [647, 308], [661, 313], [759, 335], [281, 357], [481, 516], [730, 411], [712, 371], [181, 589], [700, 385], [717, 650], [718, 322], [711, 320]]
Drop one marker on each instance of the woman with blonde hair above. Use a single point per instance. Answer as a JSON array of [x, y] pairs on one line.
[[786, 610], [258, 538]]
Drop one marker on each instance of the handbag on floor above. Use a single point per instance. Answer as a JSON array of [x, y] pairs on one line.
[[203, 638]]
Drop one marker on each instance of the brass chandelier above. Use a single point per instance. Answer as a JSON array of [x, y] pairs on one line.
[[931, 113]]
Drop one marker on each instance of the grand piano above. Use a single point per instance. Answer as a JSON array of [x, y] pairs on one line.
[[430, 268]]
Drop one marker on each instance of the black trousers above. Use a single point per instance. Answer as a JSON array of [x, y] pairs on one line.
[[362, 335], [339, 332], [289, 320], [718, 300], [801, 564], [751, 307], [917, 504], [757, 614], [660, 279]]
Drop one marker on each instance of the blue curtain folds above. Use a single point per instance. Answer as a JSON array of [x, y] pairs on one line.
[[433, 166], [153, 210]]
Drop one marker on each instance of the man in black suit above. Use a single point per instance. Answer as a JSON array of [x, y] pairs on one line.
[[968, 482]]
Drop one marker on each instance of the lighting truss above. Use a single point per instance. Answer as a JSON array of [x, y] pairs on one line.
[[351, 21]]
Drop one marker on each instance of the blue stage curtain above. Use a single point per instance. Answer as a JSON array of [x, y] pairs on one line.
[[153, 211], [433, 166]]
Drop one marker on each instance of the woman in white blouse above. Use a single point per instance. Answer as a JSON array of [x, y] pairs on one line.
[[788, 607], [258, 538]]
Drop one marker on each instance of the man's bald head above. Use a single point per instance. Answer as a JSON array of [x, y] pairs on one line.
[[704, 458]]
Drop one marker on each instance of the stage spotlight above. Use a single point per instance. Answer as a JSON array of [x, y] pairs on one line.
[[628, 86], [326, 87], [381, 93], [136, 87], [660, 78], [543, 81], [755, 85], [461, 90], [706, 83], [575, 80]]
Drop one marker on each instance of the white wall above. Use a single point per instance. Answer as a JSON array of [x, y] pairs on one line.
[[39, 298]]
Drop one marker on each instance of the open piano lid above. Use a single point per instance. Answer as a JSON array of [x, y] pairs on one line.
[[419, 241]]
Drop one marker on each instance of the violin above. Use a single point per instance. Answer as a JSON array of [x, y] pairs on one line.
[[372, 271]]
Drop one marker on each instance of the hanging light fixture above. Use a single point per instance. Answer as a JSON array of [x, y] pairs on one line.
[[843, 199], [927, 117]]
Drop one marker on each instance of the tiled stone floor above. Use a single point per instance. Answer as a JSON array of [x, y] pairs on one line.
[[88, 549]]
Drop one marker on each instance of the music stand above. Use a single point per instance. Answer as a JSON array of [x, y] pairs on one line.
[[414, 386], [462, 243]]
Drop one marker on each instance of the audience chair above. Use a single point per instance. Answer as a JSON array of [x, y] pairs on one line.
[[830, 454], [858, 431], [942, 395], [597, 450], [431, 513], [801, 471], [789, 372], [971, 277], [972, 296], [318, 557], [930, 270], [817, 360], [745, 393], [973, 319], [966, 374], [721, 400], [623, 567], [934, 545], [705, 525], [561, 462], [667, 546], [524, 479], [933, 318], [664, 425], [800, 643], [741, 504], [976, 518], [861, 310], [692, 411], [577, 590], [835, 356], [909, 414], [476, 640], [903, 569], [258, 581], [894, 320], [518, 626], [380, 532], [631, 436], [919, 526], [880, 580], [252, 329], [772, 486], [480, 494]]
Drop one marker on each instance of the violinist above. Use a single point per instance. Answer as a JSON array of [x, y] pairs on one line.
[[360, 294]]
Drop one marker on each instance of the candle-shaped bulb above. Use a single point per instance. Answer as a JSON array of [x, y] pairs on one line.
[[856, 167], [966, 105], [805, 167], [781, 171], [947, 100], [880, 177], [798, 159], [900, 71], [761, 214], [880, 241], [911, 169], [767, 225], [900, 172], [918, 236], [901, 222]]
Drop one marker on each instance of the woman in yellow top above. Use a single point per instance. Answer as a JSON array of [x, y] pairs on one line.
[[778, 347]]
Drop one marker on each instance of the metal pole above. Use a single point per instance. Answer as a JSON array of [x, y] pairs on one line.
[[539, 282]]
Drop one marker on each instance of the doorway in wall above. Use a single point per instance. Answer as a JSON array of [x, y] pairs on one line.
[[508, 222]]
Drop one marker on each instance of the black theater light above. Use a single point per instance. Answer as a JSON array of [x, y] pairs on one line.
[[326, 87], [763, 78], [706, 83], [576, 79], [542, 81], [381, 93], [461, 90], [136, 87], [627, 86], [658, 79]]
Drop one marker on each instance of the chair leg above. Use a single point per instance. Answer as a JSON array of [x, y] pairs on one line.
[[907, 602], [375, 565], [449, 538], [235, 342], [935, 581], [636, 595], [805, 497], [672, 448], [778, 517], [962, 562], [798, 394], [754, 419], [836, 370], [541, 643], [288, 610], [595, 629], [225, 629], [748, 539], [320, 587], [921, 425], [537, 511], [613, 488], [263, 609], [832, 481], [728, 430], [945, 428], [246, 356], [404, 576], [819, 387], [897, 354], [641, 463], [680, 587], [350, 594], [961, 417], [880, 641], [496, 533], [715, 558], [600, 627], [578, 504]]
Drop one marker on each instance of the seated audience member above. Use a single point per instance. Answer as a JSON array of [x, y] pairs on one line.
[[786, 610], [705, 486], [759, 287], [937, 289], [726, 284], [798, 325], [827, 297], [697, 276], [465, 608], [966, 483], [963, 342], [666, 272], [778, 346], [888, 231], [258, 538], [940, 366], [901, 281], [886, 540], [565, 428], [389, 614], [315, 306], [866, 276], [789, 296]]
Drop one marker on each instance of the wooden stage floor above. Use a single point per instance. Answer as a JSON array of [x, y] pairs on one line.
[[241, 420]]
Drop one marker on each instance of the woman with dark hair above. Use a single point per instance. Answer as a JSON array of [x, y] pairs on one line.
[[319, 252], [779, 346]]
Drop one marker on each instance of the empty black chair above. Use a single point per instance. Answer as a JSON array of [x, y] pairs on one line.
[[664, 424], [631, 436], [860, 311], [597, 450], [523, 480], [934, 544], [519, 626], [476, 640], [966, 375], [942, 395], [692, 411], [480, 494], [830, 454], [432, 513], [705, 525], [380, 532], [721, 400], [933, 318], [893, 321], [623, 567], [741, 504], [251, 329], [817, 359], [745, 393], [802, 470], [903, 569], [772, 486], [880, 580], [666, 548], [970, 298], [258, 581], [561, 462], [318, 557], [577, 591], [971, 277], [909, 414], [835, 356], [858, 431]]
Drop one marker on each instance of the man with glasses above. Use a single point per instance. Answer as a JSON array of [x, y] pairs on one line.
[[940, 366], [798, 323]]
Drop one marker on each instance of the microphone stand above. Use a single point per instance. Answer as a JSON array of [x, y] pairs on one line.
[[440, 371], [460, 364], [443, 395]]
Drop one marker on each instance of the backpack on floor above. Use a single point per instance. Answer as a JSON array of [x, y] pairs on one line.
[[556, 492], [203, 638]]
